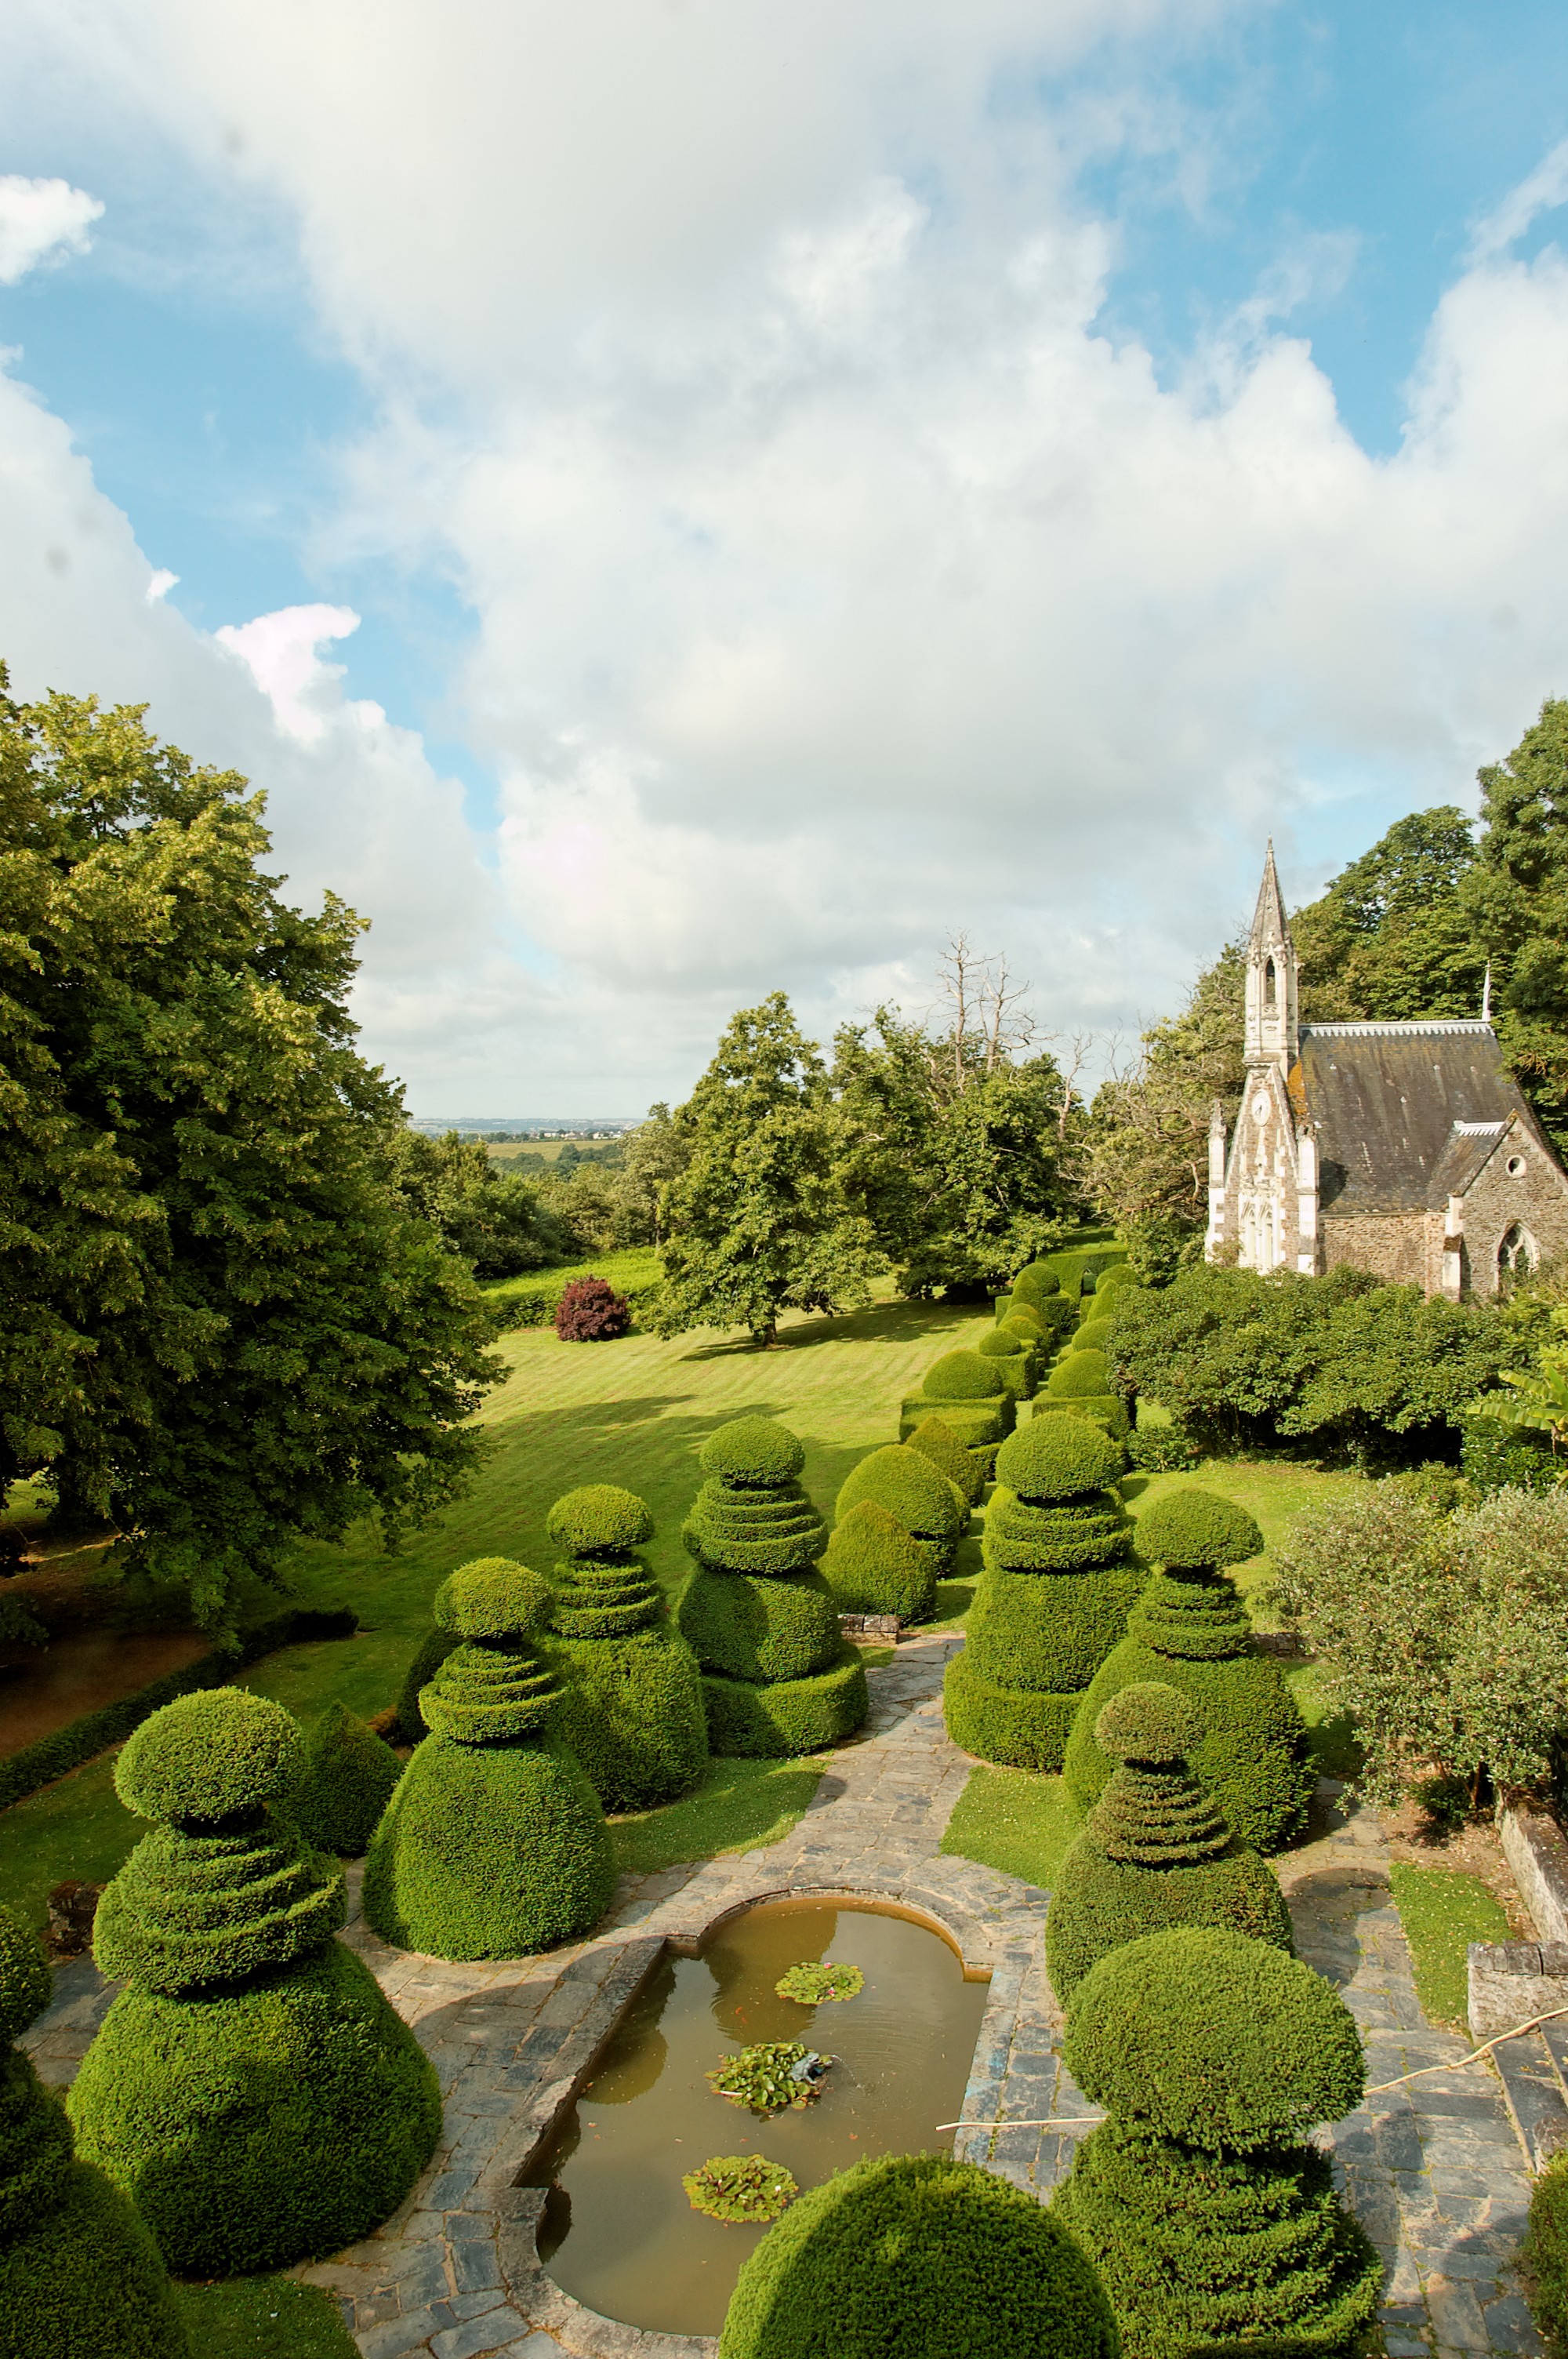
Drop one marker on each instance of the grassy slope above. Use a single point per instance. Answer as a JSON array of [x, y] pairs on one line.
[[632, 1412], [1443, 1911]]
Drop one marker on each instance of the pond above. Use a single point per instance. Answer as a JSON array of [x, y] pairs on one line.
[[618, 2233]]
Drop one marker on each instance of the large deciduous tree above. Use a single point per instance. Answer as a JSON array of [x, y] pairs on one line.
[[222, 1326], [759, 1221], [1517, 900]]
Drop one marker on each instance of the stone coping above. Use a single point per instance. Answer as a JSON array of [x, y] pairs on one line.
[[1537, 1850]]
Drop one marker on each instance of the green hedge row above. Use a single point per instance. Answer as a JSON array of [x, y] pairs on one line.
[[530, 1301], [67, 1748]]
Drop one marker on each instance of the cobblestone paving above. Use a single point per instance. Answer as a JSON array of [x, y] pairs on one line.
[[1435, 2171]]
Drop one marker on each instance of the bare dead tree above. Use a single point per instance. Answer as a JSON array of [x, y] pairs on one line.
[[986, 1024]]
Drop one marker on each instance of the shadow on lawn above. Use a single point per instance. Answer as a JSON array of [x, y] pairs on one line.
[[888, 1323]]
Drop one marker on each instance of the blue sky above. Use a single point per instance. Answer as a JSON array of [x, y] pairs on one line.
[[705, 497]]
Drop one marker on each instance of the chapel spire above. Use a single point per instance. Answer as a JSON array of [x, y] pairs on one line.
[[1273, 1030]]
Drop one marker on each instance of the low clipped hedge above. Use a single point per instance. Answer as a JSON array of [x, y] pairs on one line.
[[345, 1782], [979, 1425], [1544, 2254], [1078, 1375], [532, 1298], [767, 1723], [67, 1748], [935, 1439], [917, 2253], [874, 1566]]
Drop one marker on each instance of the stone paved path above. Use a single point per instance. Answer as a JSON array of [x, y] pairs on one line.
[[1435, 2171]]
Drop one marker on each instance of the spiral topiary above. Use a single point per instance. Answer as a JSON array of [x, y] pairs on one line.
[[872, 1566], [245, 2032], [80, 2276], [494, 1844], [917, 2253], [1190, 1629], [344, 1784], [1054, 1597], [936, 1440], [630, 1699], [932, 1510], [1156, 1851], [777, 1675], [1213, 2229], [431, 1653]]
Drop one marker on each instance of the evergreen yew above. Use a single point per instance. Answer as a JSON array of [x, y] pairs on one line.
[[1079, 1373], [1013, 1356], [1213, 2229], [1054, 1597], [917, 2253], [935, 1439], [1156, 1851], [431, 1653], [932, 1509], [1190, 1629], [874, 1566], [494, 1844], [80, 2276], [971, 1395], [250, 2089], [778, 1677], [631, 1704], [346, 1783]]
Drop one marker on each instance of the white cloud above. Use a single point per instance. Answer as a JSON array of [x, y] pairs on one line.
[[161, 583], [1541, 192], [280, 651], [41, 221]]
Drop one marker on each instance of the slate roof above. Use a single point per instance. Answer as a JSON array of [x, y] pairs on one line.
[[1386, 1099]]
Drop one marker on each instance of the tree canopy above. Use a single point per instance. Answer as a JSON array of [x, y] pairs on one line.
[[221, 1324]]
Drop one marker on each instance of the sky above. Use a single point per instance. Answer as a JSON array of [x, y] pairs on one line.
[[678, 499]]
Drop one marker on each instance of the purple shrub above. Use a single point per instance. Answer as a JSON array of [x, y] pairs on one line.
[[590, 1312]]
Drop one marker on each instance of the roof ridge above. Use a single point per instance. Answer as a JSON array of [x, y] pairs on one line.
[[1444, 1027]]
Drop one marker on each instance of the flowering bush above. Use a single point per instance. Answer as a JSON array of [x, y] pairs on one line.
[[590, 1312]]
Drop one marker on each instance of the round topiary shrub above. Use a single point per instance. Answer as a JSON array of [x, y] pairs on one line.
[[494, 1844], [935, 1442], [630, 1707], [1036, 1283], [245, 2033], [1156, 1851], [590, 1312], [1103, 1409], [344, 1784], [1093, 1336], [1002, 1344], [1052, 1599], [1212, 2228], [932, 1510], [963, 1376], [1190, 1629], [1079, 1373], [874, 1566], [917, 2253], [778, 1677], [1027, 1325], [80, 2276]]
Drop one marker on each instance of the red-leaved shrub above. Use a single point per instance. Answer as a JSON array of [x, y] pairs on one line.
[[590, 1312]]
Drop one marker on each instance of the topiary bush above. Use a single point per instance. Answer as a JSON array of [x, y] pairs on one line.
[[1213, 2228], [245, 2033], [1156, 1851], [1054, 1597], [936, 1440], [917, 2253], [1190, 1629], [1103, 1409], [1079, 1373], [346, 1781], [494, 1844], [1014, 1358], [932, 1509], [1092, 1336], [1037, 1283], [80, 2276], [630, 1707], [977, 1424], [590, 1312], [1545, 2253], [963, 1376], [778, 1677], [433, 1650], [874, 1566]]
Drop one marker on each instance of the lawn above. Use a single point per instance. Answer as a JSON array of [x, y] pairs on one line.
[[263, 2318], [1017, 1822], [1443, 1911]]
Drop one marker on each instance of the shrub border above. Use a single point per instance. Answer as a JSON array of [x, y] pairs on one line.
[[67, 1748]]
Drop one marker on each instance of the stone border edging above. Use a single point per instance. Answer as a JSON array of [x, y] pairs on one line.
[[1537, 1850]]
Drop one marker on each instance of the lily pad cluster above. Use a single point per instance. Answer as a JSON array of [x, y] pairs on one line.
[[744, 2187], [772, 2076], [808, 1985]]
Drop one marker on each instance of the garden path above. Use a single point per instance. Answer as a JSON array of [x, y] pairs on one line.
[[1434, 2170]]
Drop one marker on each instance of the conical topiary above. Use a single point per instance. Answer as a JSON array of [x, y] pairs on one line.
[[345, 1784], [917, 2253], [872, 1566], [1156, 1852], [930, 1509], [251, 2090], [1052, 1599], [494, 1844], [778, 1677], [630, 1702], [80, 2276], [1213, 2228], [935, 1439], [1190, 1629]]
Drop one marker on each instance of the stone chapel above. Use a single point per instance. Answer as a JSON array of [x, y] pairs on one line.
[[1405, 1149]]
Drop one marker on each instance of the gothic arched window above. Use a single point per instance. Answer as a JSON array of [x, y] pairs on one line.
[[1270, 988], [1517, 1254]]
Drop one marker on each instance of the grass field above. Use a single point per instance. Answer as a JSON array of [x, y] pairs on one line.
[[1443, 1911]]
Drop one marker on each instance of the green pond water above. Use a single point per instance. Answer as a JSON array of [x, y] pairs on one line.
[[618, 2232]]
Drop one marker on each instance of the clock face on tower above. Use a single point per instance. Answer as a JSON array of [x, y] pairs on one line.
[[1260, 1106]]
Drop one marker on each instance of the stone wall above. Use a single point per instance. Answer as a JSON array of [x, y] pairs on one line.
[[1392, 1245], [1536, 1197]]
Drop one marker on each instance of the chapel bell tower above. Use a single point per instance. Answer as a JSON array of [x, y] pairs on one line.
[[1274, 1027]]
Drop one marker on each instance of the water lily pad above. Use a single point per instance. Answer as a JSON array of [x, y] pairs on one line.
[[770, 2076], [809, 1985], [745, 2187]]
